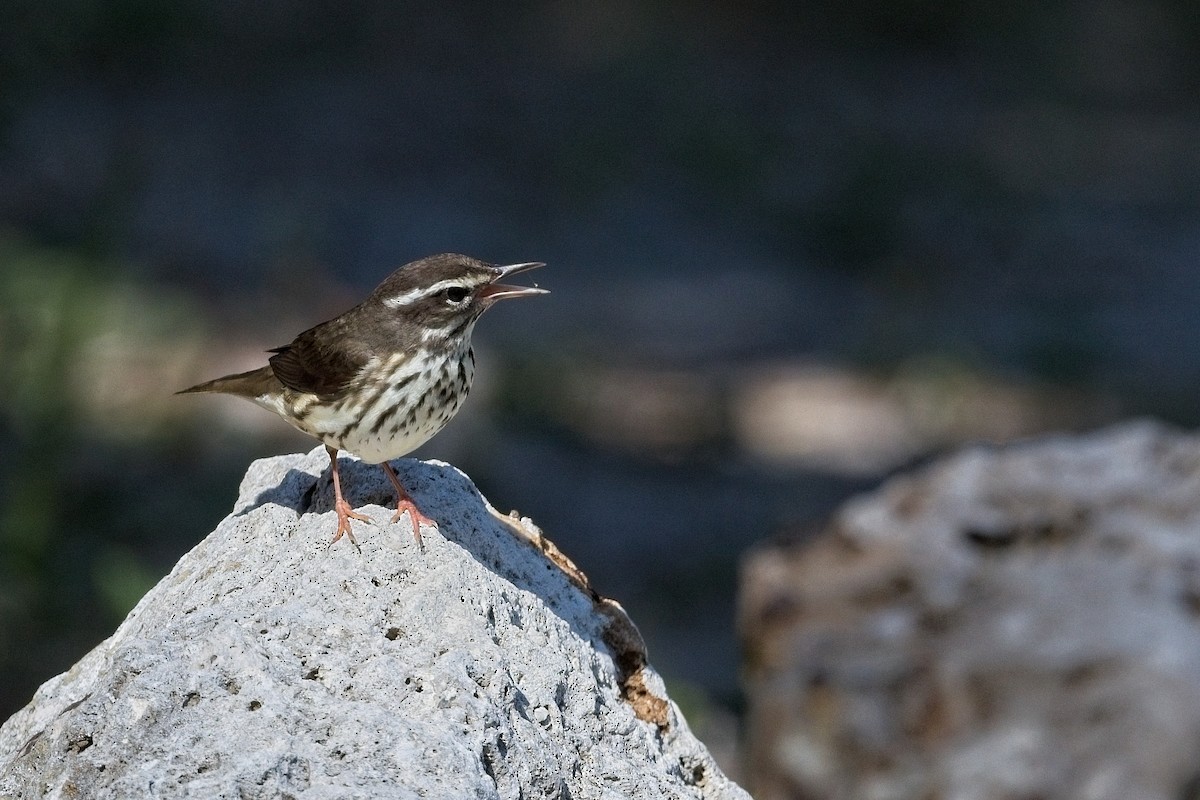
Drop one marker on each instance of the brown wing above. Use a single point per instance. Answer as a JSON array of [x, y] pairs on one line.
[[322, 360]]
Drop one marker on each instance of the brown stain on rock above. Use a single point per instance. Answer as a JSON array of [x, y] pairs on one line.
[[620, 635]]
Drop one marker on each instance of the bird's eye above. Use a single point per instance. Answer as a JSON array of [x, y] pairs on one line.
[[456, 294]]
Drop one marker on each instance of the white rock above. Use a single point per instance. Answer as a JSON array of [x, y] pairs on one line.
[[1008, 623], [268, 664]]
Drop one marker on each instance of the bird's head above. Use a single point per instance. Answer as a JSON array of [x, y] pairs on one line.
[[447, 292]]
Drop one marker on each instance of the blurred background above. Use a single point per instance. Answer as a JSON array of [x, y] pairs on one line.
[[793, 248]]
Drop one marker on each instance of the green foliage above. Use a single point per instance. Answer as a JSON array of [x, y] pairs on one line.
[[82, 357], [121, 579]]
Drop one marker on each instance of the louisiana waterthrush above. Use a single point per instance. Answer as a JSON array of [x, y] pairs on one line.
[[381, 379]]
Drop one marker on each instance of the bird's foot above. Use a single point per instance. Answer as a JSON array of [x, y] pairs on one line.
[[405, 505], [345, 513], [415, 517]]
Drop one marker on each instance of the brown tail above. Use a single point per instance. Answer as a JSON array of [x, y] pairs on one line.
[[245, 384]]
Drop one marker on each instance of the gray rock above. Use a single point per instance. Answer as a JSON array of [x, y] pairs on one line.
[[267, 664], [1009, 623]]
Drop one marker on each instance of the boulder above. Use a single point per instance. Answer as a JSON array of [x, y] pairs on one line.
[[1008, 623], [478, 663]]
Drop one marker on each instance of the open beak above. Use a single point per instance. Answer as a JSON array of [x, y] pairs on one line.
[[499, 291]]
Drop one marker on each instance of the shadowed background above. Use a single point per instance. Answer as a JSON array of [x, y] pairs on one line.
[[791, 249]]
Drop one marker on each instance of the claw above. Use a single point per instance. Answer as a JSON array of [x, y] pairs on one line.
[[415, 517], [405, 505], [345, 512]]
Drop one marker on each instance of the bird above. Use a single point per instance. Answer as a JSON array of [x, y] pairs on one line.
[[381, 379]]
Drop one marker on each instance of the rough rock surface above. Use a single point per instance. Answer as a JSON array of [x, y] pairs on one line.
[[1013, 623], [267, 664]]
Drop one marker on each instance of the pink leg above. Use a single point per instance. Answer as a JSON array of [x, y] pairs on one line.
[[405, 504], [344, 510]]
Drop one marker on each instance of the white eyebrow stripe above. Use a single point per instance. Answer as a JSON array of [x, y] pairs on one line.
[[416, 294]]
